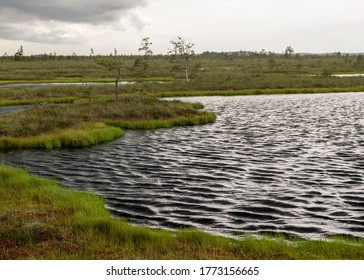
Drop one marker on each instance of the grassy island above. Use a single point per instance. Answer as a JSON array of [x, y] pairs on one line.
[[87, 123], [41, 220]]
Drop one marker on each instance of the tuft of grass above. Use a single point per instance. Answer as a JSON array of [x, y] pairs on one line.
[[81, 136], [205, 118], [41, 220], [34, 232]]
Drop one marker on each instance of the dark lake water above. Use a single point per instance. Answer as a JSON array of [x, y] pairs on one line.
[[292, 164]]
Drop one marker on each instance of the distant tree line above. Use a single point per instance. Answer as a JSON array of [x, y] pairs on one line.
[[181, 47]]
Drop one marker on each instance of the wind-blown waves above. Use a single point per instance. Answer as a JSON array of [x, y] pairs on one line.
[[292, 164]]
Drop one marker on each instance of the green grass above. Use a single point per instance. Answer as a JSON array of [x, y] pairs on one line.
[[154, 124], [57, 80], [211, 74], [81, 136], [256, 92], [72, 95], [59, 100], [41, 220], [54, 94], [80, 80], [208, 72]]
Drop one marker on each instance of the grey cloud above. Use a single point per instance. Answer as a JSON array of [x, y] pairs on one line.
[[137, 21], [52, 36], [75, 11], [55, 37], [48, 21]]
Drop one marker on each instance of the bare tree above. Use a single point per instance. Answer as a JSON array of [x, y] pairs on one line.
[[145, 47], [185, 50]]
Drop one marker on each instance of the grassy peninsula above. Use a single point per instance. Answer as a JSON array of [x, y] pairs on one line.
[[87, 123], [41, 220]]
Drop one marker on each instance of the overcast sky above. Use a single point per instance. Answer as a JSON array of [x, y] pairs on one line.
[[69, 26]]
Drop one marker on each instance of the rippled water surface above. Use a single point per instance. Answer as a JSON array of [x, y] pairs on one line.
[[287, 163]]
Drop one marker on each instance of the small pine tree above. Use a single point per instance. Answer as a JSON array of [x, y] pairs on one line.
[[19, 54]]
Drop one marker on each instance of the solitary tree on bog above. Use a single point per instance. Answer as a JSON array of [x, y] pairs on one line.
[[288, 52], [141, 65], [19, 54], [113, 64], [185, 50]]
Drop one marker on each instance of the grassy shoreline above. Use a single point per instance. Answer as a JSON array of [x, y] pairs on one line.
[[96, 133], [82, 136], [80, 98], [258, 92], [39, 219]]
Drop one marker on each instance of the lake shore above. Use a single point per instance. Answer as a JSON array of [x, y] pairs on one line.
[[42, 220], [258, 92], [63, 95]]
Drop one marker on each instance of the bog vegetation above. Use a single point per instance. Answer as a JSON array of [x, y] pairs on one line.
[[206, 71], [41, 220]]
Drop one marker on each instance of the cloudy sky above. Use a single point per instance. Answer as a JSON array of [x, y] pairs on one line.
[[69, 26]]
